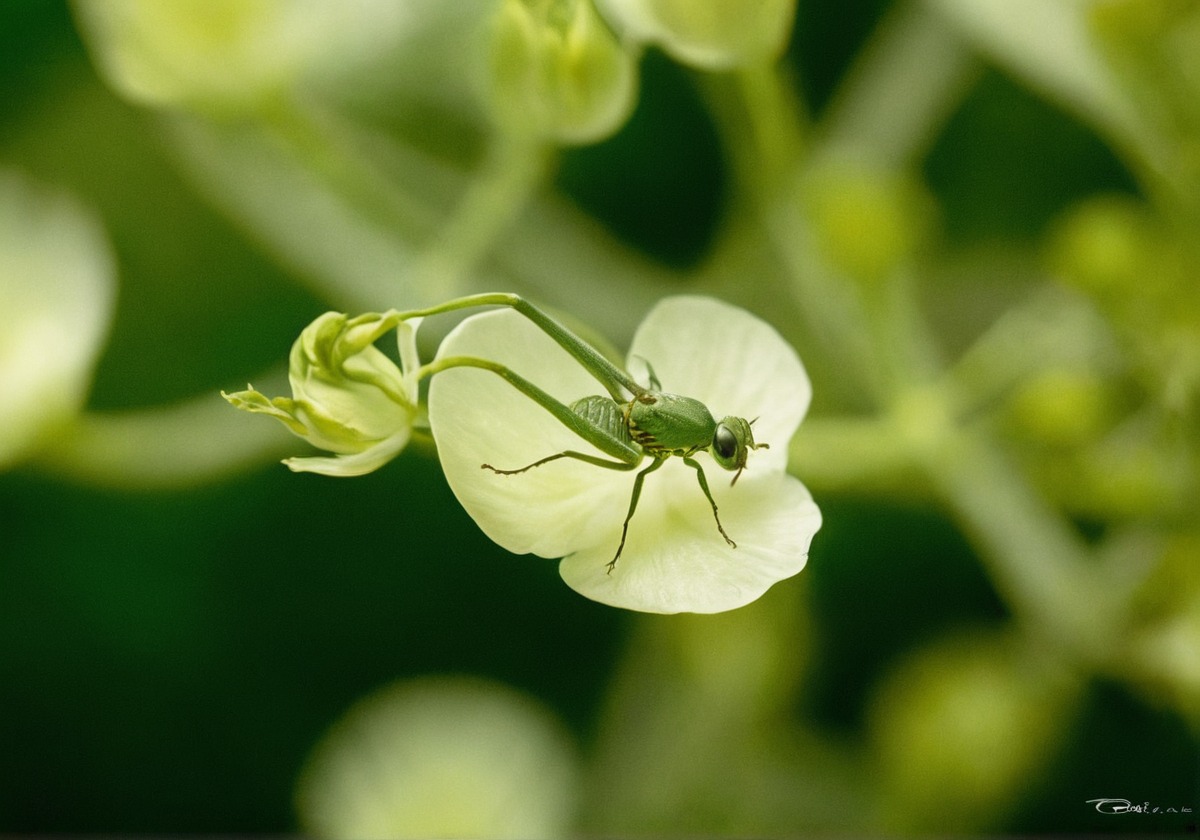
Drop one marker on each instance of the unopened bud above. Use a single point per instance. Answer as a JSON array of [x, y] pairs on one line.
[[558, 72], [348, 397]]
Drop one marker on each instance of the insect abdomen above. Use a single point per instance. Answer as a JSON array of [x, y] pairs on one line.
[[605, 415]]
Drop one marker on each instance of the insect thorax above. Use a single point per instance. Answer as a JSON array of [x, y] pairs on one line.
[[664, 423]]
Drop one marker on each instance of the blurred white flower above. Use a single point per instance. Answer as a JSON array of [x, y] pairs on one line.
[[348, 397], [559, 72], [674, 559], [441, 758], [229, 56], [709, 34], [57, 292]]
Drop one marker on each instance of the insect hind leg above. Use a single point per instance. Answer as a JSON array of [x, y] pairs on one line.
[[633, 500], [579, 456]]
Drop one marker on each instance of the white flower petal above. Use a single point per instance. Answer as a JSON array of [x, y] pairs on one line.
[[358, 463], [57, 289], [441, 757], [733, 362], [478, 418], [676, 561]]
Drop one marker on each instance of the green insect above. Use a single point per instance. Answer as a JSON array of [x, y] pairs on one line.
[[632, 423]]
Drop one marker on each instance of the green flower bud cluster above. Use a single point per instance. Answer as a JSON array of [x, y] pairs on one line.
[[1144, 276], [348, 397]]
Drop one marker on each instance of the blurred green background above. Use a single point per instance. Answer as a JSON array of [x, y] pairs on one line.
[[169, 657]]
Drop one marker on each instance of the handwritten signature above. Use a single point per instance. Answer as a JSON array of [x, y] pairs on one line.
[[1124, 806]]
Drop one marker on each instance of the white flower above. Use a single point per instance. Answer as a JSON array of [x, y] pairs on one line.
[[707, 34], [347, 396], [228, 56], [57, 289], [674, 559], [441, 757]]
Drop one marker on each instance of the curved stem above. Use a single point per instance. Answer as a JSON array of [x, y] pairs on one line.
[[193, 442], [511, 173], [1037, 561], [447, 244], [901, 88], [763, 130]]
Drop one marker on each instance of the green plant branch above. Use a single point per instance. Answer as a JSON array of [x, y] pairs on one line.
[[190, 443], [902, 87], [334, 154], [448, 237], [1035, 558], [512, 171], [873, 458]]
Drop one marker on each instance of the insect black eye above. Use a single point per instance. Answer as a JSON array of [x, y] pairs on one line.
[[724, 443]]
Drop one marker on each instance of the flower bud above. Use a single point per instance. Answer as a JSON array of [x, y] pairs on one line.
[[56, 301], [558, 72], [223, 57], [1062, 407], [347, 396], [1162, 655], [1105, 247], [708, 34], [867, 222]]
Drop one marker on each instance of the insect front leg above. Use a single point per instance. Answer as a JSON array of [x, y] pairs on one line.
[[704, 486], [633, 500]]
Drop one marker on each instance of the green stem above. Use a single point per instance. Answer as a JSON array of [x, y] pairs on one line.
[[873, 457], [454, 245], [762, 129], [511, 173], [333, 154], [191, 443], [900, 90], [905, 353], [776, 125], [1037, 561]]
